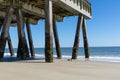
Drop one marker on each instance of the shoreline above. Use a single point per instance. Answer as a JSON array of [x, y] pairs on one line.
[[110, 59]]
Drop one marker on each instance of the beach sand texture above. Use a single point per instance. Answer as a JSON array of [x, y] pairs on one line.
[[59, 70]]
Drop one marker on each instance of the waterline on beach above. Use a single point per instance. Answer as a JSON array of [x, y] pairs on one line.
[[81, 58]]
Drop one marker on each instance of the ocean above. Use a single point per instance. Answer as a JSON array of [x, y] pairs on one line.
[[104, 54]]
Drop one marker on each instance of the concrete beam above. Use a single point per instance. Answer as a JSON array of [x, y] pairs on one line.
[[32, 10], [2, 16]]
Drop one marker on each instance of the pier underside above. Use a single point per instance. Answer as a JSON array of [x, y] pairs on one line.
[[20, 12], [35, 9]]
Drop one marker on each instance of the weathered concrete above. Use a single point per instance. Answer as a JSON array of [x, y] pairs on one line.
[[30, 38], [86, 48], [34, 9], [57, 44], [5, 30], [42, 9], [77, 37], [22, 48], [10, 45], [48, 31]]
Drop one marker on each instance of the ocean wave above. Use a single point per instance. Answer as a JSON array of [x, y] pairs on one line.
[[105, 58], [92, 58]]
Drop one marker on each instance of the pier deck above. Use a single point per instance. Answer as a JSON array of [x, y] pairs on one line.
[[35, 10]]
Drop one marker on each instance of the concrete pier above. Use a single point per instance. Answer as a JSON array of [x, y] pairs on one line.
[[17, 12]]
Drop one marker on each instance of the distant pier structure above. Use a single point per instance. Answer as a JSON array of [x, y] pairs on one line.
[[20, 12]]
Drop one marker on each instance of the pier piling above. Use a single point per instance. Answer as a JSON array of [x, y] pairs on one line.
[[77, 37], [57, 44], [48, 31], [22, 46], [0, 26], [10, 45], [85, 40], [81, 24], [5, 30], [30, 38]]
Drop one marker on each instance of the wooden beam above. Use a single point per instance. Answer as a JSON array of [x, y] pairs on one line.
[[30, 38], [48, 31], [22, 47], [57, 44], [77, 37], [86, 49], [5, 30]]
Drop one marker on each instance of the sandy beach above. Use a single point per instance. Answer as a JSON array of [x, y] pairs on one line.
[[59, 70]]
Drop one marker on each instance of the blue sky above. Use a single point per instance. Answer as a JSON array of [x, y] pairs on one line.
[[102, 30]]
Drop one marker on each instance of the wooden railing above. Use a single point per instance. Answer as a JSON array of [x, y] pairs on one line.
[[84, 5]]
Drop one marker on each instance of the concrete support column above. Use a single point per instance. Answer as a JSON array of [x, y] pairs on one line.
[[5, 31], [22, 46], [77, 38], [48, 31], [81, 23], [30, 38], [57, 44], [0, 26], [86, 48], [10, 45]]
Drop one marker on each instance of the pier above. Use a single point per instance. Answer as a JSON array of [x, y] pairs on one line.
[[16, 13]]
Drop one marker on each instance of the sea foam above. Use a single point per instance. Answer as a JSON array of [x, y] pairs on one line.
[[82, 58]]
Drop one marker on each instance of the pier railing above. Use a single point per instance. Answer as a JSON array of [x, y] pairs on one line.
[[84, 4], [79, 6]]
